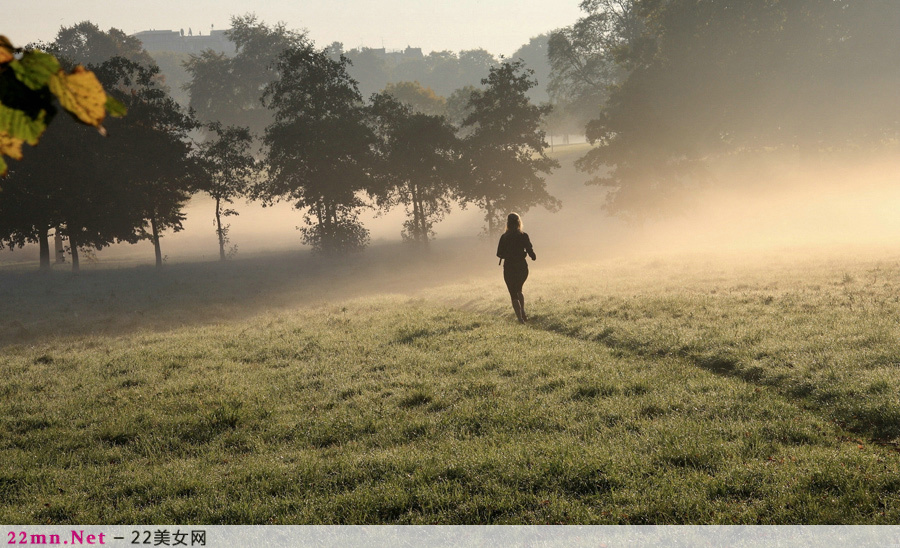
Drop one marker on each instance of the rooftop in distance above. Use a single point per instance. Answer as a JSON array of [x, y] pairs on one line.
[[185, 41]]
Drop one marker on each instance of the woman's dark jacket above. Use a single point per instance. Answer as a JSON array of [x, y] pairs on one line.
[[513, 247]]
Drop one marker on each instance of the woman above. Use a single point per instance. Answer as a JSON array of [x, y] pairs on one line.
[[513, 247]]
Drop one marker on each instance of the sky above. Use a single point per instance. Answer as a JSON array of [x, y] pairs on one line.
[[499, 26]]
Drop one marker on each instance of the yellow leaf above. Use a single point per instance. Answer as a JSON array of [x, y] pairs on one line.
[[7, 50], [81, 94], [10, 146]]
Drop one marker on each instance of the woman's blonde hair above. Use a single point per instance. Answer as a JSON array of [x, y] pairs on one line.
[[514, 222]]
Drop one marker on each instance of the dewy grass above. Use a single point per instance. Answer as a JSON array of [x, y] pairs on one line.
[[641, 392]]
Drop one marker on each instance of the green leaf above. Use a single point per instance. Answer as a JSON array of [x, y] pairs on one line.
[[35, 69], [19, 125], [114, 107], [2, 167]]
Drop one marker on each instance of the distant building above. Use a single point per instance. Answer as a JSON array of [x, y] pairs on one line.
[[171, 40], [397, 56], [413, 53]]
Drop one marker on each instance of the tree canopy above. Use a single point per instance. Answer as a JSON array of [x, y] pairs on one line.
[[697, 80], [419, 165], [228, 90], [417, 97], [228, 169], [505, 149], [85, 44], [96, 192], [151, 154], [319, 147]]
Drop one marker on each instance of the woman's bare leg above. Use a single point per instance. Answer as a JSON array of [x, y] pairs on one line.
[[518, 309]]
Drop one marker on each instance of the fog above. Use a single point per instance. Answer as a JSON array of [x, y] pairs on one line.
[[823, 203], [832, 205], [767, 204]]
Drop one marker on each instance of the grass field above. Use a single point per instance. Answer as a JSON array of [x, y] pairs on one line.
[[708, 389]]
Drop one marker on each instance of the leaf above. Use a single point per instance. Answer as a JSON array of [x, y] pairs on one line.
[[114, 107], [81, 94], [7, 51], [9, 146], [35, 68], [19, 125]]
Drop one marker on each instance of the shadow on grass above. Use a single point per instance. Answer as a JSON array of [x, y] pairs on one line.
[[876, 418], [116, 300]]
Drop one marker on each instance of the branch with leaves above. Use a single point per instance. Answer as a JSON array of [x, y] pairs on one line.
[[31, 82]]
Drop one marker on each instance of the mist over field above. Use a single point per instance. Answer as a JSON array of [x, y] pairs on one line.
[[829, 202]]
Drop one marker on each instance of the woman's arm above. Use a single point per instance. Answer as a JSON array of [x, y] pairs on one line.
[[529, 249]]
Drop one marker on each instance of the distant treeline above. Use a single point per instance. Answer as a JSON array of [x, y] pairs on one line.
[[280, 120]]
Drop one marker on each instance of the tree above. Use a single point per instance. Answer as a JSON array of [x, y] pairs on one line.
[[64, 184], [419, 160], [710, 79], [535, 56], [152, 153], [229, 90], [506, 147], [442, 71], [594, 54], [101, 192], [369, 68], [458, 105], [411, 69], [447, 71], [85, 44], [27, 211], [174, 74], [31, 82], [417, 97], [473, 65], [227, 168], [319, 148]]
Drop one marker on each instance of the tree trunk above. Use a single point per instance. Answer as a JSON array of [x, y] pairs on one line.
[[58, 244], [332, 229], [321, 216], [322, 227], [73, 249], [219, 229], [490, 217], [419, 235], [44, 240], [156, 247], [423, 224]]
